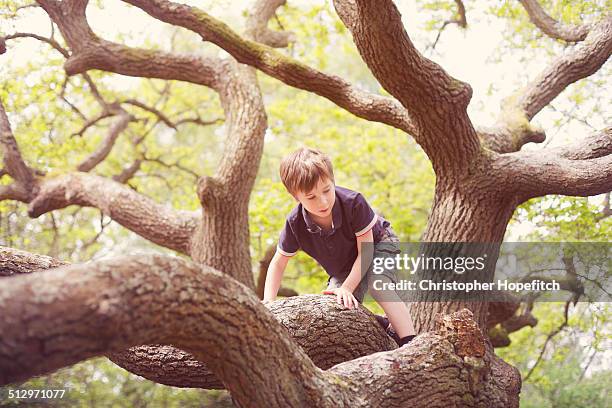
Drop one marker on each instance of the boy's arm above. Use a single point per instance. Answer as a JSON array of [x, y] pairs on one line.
[[354, 278], [275, 275], [345, 292]]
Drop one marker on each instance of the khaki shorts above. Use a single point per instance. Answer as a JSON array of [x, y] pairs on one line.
[[388, 246]]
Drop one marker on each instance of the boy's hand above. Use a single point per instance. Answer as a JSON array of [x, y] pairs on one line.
[[344, 296]]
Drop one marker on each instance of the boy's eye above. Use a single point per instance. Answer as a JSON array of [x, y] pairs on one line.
[[326, 191]]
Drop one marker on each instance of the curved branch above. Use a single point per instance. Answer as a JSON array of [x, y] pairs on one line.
[[155, 222], [107, 144], [597, 145], [582, 61], [49, 41], [514, 128], [580, 169], [90, 122], [91, 52], [198, 309], [552, 27], [167, 365], [363, 104], [163, 118], [257, 25], [112, 305], [316, 323], [385, 46]]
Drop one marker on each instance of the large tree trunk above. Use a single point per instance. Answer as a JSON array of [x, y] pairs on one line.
[[464, 211], [222, 239]]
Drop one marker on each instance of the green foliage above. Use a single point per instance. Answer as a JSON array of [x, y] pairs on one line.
[[569, 219], [559, 379]]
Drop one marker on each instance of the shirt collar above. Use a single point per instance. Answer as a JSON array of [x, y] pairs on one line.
[[314, 228]]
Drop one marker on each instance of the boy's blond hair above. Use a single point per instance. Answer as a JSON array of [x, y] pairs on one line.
[[301, 170]]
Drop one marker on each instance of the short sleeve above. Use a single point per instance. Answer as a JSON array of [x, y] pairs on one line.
[[287, 243], [363, 217]]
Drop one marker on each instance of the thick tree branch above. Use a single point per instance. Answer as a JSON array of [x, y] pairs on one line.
[[112, 305], [435, 101], [514, 129], [103, 150], [596, 145], [265, 58], [552, 27], [107, 306], [581, 169], [314, 322], [155, 222], [510, 136], [91, 52], [379, 24], [469, 373], [580, 62]]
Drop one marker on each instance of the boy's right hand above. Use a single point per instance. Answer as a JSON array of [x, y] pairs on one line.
[[344, 296]]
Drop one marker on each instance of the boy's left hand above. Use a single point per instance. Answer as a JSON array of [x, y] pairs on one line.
[[344, 296]]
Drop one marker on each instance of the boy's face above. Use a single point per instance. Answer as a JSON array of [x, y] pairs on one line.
[[320, 200]]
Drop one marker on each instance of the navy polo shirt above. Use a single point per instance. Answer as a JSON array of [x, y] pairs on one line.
[[335, 249]]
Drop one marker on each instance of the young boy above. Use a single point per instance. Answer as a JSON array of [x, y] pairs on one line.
[[330, 223]]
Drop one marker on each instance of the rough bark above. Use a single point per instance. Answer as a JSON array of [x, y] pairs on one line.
[[155, 300], [153, 221], [580, 169]]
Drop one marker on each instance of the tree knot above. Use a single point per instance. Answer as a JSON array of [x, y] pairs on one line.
[[462, 331]]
